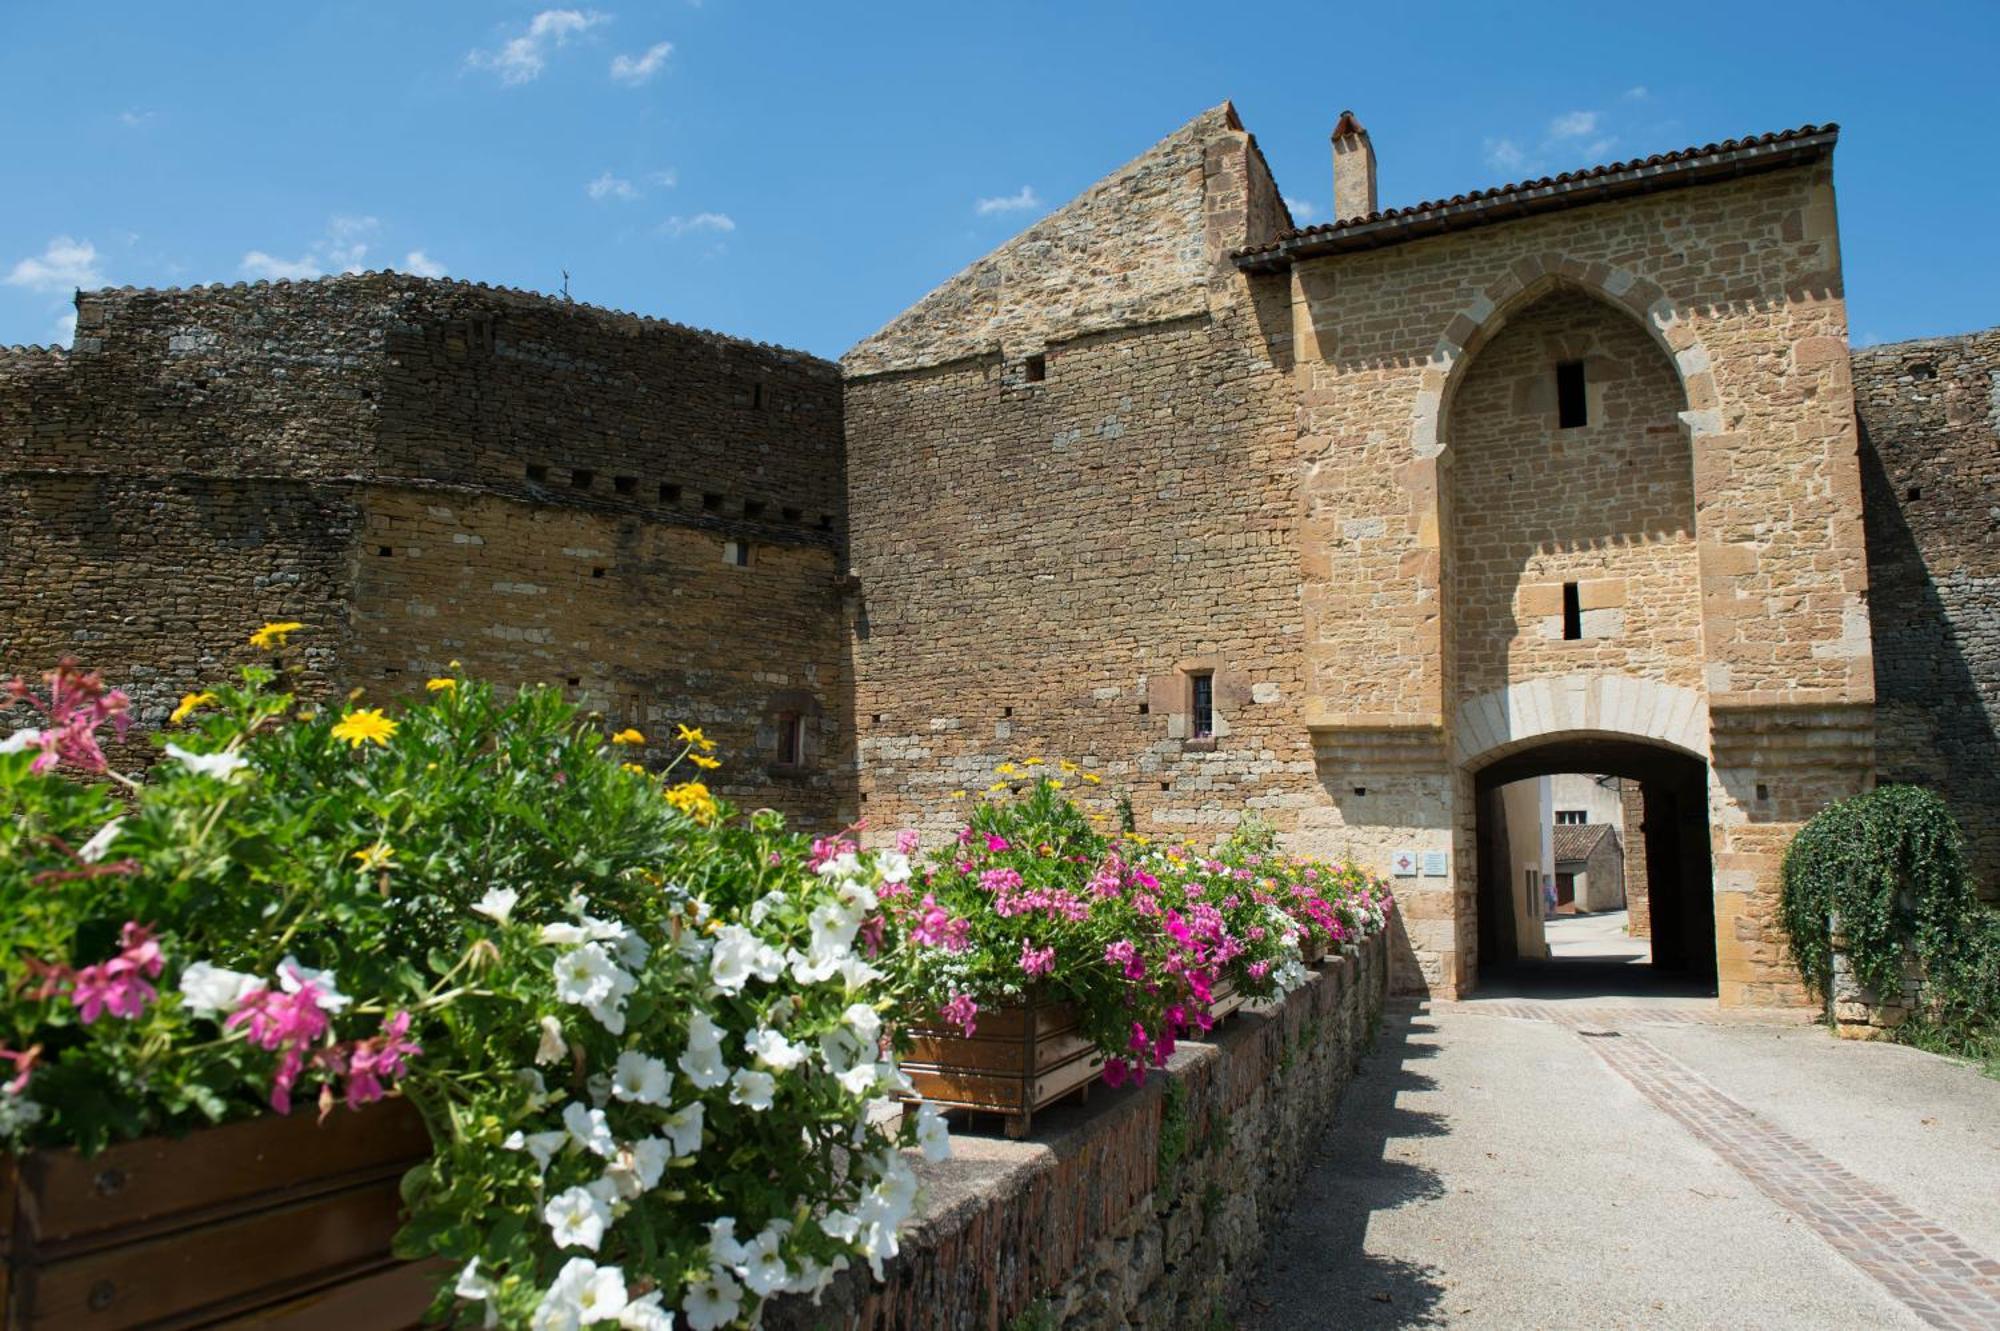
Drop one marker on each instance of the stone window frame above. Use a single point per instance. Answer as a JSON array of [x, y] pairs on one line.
[[800, 707], [1171, 695]]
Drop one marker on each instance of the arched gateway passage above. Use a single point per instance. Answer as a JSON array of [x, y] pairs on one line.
[[1670, 839]]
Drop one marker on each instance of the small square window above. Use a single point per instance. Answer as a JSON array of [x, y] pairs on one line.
[[384, 551], [754, 508], [597, 572], [625, 485], [1145, 708], [580, 478], [826, 522], [575, 680], [537, 472], [1572, 408], [737, 553], [1035, 369], [669, 493], [711, 503], [792, 514]]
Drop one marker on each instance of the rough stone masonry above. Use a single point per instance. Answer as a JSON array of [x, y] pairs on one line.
[[1565, 470]]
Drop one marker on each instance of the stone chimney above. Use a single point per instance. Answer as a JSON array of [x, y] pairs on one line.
[[1353, 170]]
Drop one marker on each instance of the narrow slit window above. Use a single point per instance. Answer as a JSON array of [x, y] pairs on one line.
[[1572, 613], [756, 397], [791, 739], [1203, 705], [1571, 408]]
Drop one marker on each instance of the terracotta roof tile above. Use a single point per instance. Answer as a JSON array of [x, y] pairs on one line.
[[1570, 189], [1577, 841]]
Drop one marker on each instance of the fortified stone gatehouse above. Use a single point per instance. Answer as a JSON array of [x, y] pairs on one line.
[[1350, 525]]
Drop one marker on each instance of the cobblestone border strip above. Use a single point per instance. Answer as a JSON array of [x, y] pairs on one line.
[[1932, 1271], [1694, 1014]]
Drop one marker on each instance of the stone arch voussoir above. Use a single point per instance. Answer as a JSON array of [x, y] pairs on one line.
[[1528, 280], [1520, 716]]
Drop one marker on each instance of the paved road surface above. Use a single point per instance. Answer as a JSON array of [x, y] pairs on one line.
[[1580, 1159]]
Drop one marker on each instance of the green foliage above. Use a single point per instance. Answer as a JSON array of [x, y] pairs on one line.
[[1176, 1126], [1037, 1316], [1889, 867]]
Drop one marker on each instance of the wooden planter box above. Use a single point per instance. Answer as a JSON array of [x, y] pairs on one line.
[[272, 1222], [1224, 1000], [1017, 1061]]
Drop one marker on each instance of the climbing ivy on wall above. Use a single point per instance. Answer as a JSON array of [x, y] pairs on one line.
[[1890, 866]]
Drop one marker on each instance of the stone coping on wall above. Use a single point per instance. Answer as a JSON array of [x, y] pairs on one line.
[[1090, 1222]]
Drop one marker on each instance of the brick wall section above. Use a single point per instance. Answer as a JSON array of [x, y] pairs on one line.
[[1930, 431], [555, 487], [1087, 1227], [1638, 902]]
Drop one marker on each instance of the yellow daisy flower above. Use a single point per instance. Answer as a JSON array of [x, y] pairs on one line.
[[1005, 769], [274, 635], [381, 855], [442, 684], [1032, 762], [1066, 765], [958, 794], [635, 769], [628, 736], [687, 735], [692, 798], [365, 725], [189, 701], [704, 762], [1093, 778]]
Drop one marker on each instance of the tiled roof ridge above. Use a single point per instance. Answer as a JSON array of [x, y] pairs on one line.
[[516, 293], [1498, 192]]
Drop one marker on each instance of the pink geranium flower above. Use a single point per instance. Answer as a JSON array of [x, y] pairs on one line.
[[960, 1012], [1037, 961], [119, 986]]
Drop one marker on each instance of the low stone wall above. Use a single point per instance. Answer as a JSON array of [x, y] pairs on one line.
[[1146, 1206], [1858, 1012]]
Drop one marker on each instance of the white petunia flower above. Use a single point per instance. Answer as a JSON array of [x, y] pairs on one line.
[[893, 865], [683, 1128], [859, 1079], [857, 973], [20, 741], [293, 977], [610, 1009], [866, 1023], [211, 989], [598, 1292], [833, 929], [222, 766], [752, 1089], [585, 975], [641, 1079], [93, 850], [541, 1145], [723, 1247], [932, 1135], [762, 1267], [773, 1049], [703, 1062], [646, 1314], [639, 1167], [843, 865], [478, 1289], [588, 1129], [760, 910], [739, 955], [552, 1047], [712, 1301], [576, 1219], [565, 935], [497, 904]]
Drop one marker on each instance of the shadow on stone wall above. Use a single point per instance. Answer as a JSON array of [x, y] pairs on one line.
[[1316, 1271], [1934, 727]]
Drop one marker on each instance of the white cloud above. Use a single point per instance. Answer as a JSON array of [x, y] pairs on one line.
[[64, 331], [256, 263], [608, 186], [418, 264], [1573, 125], [666, 179], [681, 226], [342, 249], [1637, 93], [63, 265], [1009, 203], [137, 119], [1505, 155], [636, 69], [1303, 210], [521, 59], [1598, 150]]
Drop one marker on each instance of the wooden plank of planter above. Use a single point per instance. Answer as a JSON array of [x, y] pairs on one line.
[[70, 1203], [1019, 1060], [393, 1298], [191, 1276]]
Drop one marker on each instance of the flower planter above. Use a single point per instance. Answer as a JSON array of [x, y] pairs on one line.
[[276, 1222], [1224, 999], [1018, 1060]]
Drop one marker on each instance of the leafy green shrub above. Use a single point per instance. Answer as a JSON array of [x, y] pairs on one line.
[[1889, 865]]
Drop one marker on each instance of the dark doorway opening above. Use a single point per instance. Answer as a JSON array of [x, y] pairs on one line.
[[1671, 839]]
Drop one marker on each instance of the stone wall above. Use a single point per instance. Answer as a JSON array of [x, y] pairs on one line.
[[1144, 1207], [1930, 435], [649, 516], [1044, 564], [1638, 898]]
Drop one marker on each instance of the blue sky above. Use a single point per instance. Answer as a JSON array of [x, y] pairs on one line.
[[800, 173]]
